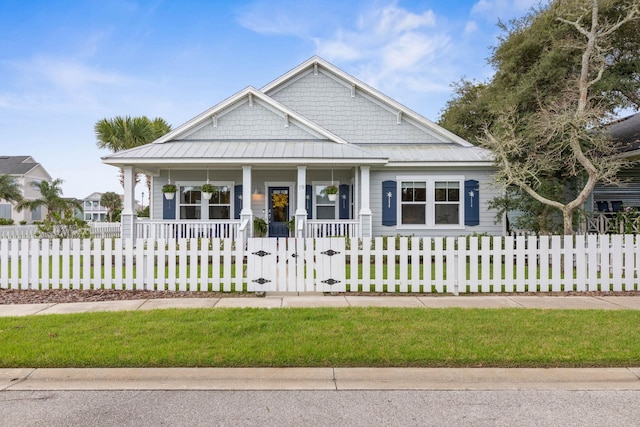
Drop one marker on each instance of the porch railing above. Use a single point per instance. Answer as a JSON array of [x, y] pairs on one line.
[[333, 228], [151, 229], [607, 223]]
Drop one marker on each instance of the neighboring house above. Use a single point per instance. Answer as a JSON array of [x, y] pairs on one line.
[[93, 210], [26, 172], [273, 152], [626, 135]]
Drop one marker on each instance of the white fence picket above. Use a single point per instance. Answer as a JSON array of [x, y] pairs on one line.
[[428, 276], [580, 264], [497, 264], [414, 283], [629, 264], [379, 264], [473, 257], [439, 265], [616, 261], [485, 257], [216, 280]]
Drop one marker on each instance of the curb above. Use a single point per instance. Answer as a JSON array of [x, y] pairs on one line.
[[49, 379]]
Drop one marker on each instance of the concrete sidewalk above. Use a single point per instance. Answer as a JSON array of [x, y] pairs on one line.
[[320, 300], [320, 379]]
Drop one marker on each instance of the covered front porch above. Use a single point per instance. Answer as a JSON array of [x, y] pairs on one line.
[[245, 201]]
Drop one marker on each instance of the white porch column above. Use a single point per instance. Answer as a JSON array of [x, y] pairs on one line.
[[246, 212], [365, 210], [301, 208], [128, 215]]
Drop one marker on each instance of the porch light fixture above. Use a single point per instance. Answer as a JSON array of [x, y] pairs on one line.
[[257, 194]]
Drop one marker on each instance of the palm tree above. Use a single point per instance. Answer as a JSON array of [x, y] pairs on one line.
[[50, 197], [111, 201], [9, 189], [123, 133]]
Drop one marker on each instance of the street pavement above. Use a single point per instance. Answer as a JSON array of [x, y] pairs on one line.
[[329, 378]]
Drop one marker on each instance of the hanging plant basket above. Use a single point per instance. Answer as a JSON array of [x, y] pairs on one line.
[[169, 191], [332, 192], [208, 191]]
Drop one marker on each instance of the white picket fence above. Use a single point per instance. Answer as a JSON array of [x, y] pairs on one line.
[[105, 230], [405, 264]]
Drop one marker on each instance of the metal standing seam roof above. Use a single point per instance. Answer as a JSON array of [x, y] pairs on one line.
[[188, 150], [429, 153]]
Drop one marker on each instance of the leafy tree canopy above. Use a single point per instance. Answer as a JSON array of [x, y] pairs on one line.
[[561, 71], [9, 189]]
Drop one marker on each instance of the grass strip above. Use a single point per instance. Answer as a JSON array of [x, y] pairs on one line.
[[318, 337]]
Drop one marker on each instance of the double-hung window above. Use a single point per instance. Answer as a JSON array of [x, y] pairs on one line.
[[325, 208], [430, 201], [220, 203], [190, 202]]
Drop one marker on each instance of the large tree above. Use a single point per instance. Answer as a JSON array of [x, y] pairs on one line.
[[9, 189], [51, 198], [122, 133], [560, 72]]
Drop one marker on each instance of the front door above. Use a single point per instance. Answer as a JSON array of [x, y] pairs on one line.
[[278, 211]]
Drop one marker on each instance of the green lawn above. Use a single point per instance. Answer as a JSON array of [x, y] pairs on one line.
[[324, 337]]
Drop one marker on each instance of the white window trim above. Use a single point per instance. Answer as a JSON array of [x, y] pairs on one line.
[[430, 180], [204, 204], [314, 205]]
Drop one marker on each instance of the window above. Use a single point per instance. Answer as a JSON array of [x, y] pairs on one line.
[[5, 211], [36, 214], [325, 208], [414, 202], [220, 203], [447, 203], [190, 202], [430, 201]]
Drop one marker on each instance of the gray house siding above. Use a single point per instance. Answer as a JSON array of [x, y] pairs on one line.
[[249, 122], [487, 192], [357, 119], [628, 193]]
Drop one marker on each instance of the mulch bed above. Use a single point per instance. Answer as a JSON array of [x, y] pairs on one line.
[[20, 296]]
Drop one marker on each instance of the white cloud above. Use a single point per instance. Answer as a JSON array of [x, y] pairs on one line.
[[470, 28], [53, 83], [391, 46]]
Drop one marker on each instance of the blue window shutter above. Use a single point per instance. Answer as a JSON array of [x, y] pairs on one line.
[[169, 207], [471, 202], [389, 203], [343, 201], [237, 200], [308, 204]]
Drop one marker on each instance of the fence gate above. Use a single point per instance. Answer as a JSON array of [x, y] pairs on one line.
[[296, 265], [330, 266]]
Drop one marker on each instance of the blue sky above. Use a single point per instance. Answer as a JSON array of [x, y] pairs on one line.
[[64, 65]]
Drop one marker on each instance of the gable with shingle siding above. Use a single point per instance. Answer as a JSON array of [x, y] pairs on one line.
[[354, 116], [246, 121]]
